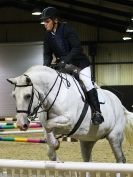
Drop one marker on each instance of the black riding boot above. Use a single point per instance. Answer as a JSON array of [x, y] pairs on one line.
[[92, 97]]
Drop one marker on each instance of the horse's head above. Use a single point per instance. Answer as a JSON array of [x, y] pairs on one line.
[[25, 100]]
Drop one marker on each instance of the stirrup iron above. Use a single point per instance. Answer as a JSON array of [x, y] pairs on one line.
[[97, 118]]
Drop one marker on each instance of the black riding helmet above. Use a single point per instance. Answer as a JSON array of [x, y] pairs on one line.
[[49, 12]]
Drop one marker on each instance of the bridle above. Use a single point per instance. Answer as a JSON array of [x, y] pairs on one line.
[[32, 115]]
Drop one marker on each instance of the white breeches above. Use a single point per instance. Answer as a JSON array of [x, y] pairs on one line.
[[85, 76]]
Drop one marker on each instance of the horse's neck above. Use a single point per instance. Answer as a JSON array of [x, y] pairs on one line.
[[44, 79], [50, 80], [45, 82]]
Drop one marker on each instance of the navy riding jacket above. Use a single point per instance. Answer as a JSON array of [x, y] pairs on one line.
[[65, 45]]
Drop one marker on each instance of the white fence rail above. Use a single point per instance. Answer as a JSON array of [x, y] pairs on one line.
[[31, 168], [21, 132]]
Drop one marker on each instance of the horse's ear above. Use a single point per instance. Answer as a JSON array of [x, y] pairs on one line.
[[12, 80], [28, 80]]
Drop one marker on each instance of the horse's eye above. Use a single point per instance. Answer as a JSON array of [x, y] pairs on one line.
[[28, 96]]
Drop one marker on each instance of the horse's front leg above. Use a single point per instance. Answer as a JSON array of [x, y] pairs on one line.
[[52, 142], [53, 145]]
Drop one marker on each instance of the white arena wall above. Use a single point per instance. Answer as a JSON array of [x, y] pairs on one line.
[[15, 59]]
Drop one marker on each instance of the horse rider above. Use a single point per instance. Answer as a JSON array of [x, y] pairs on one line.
[[62, 41]]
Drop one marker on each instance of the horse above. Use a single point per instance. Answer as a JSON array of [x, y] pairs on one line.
[[58, 100]]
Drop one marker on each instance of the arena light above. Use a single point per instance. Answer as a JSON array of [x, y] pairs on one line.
[[42, 23], [36, 12], [126, 37], [130, 28]]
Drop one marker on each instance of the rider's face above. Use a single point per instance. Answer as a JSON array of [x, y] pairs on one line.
[[48, 24]]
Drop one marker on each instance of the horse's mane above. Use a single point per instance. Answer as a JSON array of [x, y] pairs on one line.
[[38, 68], [32, 72]]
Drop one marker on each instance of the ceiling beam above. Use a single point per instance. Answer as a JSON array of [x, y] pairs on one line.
[[95, 23], [96, 8], [89, 15], [122, 2], [17, 4], [19, 22]]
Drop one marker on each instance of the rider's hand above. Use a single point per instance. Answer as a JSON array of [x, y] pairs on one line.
[[61, 65]]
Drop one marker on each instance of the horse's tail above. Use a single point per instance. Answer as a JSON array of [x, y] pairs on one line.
[[129, 126]]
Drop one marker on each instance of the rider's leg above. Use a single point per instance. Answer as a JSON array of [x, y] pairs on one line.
[[92, 96], [93, 99]]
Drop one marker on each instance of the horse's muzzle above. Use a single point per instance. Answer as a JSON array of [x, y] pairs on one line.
[[23, 128], [22, 123]]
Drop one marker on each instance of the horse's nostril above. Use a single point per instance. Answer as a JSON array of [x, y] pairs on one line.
[[25, 126]]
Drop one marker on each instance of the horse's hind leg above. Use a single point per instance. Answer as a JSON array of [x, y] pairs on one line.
[[115, 141], [86, 149]]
